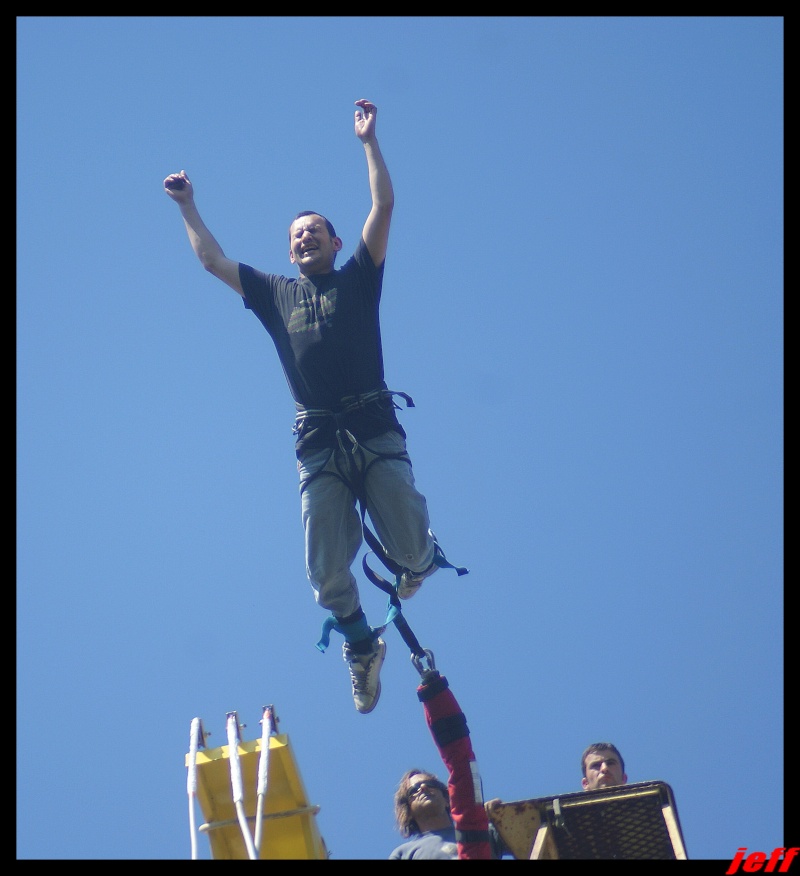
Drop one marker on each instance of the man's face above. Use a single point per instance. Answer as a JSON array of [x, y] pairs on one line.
[[603, 770], [427, 795], [311, 247]]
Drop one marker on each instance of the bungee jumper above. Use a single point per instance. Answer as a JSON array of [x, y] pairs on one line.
[[349, 443]]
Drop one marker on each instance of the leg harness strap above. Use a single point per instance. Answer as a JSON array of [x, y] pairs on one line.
[[351, 462]]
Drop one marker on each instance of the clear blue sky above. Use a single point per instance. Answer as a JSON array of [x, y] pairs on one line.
[[584, 297]]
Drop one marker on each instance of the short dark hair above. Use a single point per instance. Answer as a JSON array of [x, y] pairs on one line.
[[300, 215], [599, 747]]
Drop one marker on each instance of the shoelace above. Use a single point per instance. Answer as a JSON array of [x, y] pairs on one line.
[[359, 676]]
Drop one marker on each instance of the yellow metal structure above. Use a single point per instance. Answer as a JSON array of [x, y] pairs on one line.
[[289, 831]]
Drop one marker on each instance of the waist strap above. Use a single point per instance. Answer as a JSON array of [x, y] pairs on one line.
[[352, 403]]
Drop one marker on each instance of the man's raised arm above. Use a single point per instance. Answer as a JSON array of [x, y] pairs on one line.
[[204, 244], [376, 228]]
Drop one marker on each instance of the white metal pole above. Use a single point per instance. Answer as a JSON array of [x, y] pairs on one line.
[[191, 782], [236, 783], [267, 730]]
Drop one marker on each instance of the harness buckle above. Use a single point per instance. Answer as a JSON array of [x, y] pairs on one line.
[[352, 438]]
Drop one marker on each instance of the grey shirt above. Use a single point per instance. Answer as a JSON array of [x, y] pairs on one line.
[[432, 845]]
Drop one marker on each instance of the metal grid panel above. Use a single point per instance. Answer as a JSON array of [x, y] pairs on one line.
[[612, 827], [636, 821]]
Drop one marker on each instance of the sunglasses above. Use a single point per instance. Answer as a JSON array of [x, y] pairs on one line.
[[414, 789]]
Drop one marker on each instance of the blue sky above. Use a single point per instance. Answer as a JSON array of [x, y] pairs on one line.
[[584, 297]]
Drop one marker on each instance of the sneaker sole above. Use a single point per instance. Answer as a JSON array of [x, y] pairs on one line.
[[374, 702], [406, 592]]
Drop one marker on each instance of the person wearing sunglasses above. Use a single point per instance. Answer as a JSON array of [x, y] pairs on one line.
[[422, 813]]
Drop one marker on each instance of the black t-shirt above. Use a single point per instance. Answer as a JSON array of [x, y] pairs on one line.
[[326, 330]]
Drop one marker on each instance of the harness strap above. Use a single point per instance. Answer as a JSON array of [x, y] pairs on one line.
[[352, 403], [351, 466], [355, 480], [332, 623], [394, 611]]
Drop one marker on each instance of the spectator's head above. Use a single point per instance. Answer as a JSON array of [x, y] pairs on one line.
[[421, 803], [602, 767]]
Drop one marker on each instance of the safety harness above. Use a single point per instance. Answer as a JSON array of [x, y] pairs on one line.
[[350, 462]]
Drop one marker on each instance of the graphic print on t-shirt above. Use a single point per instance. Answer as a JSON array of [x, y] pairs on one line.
[[313, 313]]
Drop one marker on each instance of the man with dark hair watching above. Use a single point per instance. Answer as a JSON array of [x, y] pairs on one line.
[[602, 767]]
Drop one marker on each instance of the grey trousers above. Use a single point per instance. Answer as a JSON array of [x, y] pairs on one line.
[[397, 511]]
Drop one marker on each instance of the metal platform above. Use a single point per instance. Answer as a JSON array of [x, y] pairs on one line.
[[636, 821]]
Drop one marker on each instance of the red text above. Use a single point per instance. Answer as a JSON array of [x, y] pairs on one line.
[[757, 861]]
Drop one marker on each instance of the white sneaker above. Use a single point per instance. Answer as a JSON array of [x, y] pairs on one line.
[[410, 582], [365, 675]]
